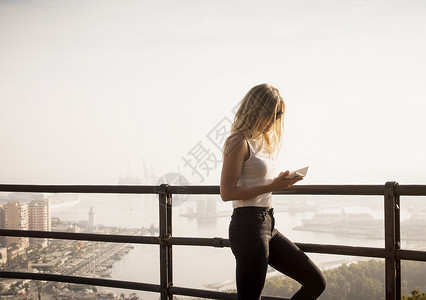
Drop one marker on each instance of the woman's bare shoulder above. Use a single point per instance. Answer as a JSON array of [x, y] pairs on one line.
[[236, 142]]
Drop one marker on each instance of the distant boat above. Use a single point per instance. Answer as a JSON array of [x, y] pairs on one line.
[[105, 273], [339, 219], [356, 224]]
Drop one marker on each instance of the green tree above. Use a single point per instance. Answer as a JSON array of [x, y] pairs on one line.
[[280, 286], [415, 295], [350, 282], [363, 280], [413, 276]]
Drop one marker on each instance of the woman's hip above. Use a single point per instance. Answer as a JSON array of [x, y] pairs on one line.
[[250, 227]]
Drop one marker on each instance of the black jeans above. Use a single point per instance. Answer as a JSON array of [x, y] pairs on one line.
[[255, 243]]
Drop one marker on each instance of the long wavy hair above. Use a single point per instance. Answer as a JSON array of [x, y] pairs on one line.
[[261, 105]]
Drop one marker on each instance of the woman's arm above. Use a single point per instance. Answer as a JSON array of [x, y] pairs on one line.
[[236, 152]]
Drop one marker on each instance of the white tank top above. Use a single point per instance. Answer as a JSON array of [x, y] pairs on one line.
[[257, 170]]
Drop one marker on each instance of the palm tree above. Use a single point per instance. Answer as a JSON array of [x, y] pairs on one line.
[[13, 289], [1, 288], [27, 287], [39, 289]]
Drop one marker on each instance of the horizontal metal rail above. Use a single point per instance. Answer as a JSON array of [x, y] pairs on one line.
[[112, 238], [137, 286], [84, 189], [351, 190], [83, 280], [392, 254], [211, 242]]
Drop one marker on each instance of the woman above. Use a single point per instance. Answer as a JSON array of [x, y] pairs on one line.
[[247, 180]]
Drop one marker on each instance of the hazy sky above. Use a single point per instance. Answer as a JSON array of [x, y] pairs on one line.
[[89, 88]]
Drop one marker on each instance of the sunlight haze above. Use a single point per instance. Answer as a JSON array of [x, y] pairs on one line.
[[91, 91]]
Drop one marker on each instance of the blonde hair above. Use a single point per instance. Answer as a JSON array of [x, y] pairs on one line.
[[260, 107]]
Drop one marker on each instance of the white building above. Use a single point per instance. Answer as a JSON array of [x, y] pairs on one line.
[[2, 238], [92, 223]]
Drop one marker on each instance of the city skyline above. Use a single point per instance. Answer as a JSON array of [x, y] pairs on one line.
[[30, 215]]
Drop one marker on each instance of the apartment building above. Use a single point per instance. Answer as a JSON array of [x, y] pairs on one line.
[[16, 217], [2, 238], [39, 218]]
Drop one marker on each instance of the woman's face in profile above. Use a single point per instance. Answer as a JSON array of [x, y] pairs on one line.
[[265, 125]]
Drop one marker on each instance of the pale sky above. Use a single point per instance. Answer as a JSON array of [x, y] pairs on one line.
[[89, 88]]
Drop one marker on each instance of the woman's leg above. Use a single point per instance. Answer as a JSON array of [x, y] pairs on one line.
[[249, 234], [287, 258], [250, 273]]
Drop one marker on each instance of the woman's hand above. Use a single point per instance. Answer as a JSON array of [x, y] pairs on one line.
[[281, 182]]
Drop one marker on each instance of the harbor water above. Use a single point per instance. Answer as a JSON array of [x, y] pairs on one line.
[[208, 216]]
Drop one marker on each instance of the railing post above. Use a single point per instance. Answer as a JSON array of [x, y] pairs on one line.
[[392, 242], [169, 244], [397, 242], [165, 234]]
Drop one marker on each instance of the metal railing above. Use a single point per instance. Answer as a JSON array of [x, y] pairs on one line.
[[392, 252]]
